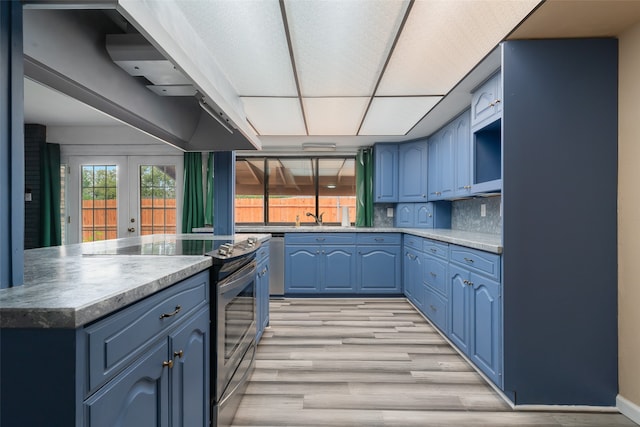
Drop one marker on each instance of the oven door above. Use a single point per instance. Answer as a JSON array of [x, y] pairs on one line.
[[235, 323]]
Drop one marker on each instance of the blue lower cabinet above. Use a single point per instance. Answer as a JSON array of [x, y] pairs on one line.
[[302, 269], [475, 319], [338, 269], [413, 277], [459, 303], [379, 269], [318, 269], [435, 308], [486, 326], [139, 396]]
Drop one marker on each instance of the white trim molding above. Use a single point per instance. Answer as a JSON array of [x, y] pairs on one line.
[[628, 409]]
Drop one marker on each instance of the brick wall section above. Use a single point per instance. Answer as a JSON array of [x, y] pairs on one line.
[[34, 137]]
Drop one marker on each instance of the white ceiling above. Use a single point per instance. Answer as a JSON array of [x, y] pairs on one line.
[[339, 71]]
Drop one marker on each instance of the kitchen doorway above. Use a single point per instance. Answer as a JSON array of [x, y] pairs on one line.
[[123, 196]]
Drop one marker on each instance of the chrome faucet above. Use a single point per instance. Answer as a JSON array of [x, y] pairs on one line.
[[317, 218]]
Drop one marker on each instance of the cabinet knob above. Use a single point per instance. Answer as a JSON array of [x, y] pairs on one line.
[[424, 195], [465, 281], [168, 364], [131, 229], [432, 274], [467, 187], [178, 354], [433, 308]]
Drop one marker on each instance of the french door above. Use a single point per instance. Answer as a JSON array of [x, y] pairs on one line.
[[123, 196]]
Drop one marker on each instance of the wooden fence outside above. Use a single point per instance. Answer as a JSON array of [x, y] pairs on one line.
[[285, 209]]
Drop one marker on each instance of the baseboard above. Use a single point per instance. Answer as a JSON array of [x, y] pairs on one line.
[[566, 408], [628, 409]]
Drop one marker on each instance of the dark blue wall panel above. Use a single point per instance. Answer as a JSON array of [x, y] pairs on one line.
[[560, 221], [11, 145]]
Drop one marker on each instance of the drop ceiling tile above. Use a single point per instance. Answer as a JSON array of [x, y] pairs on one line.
[[334, 116], [396, 115], [248, 41], [274, 116], [443, 39], [340, 47]]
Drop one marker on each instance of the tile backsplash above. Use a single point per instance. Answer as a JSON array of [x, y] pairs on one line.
[[466, 215], [380, 218]]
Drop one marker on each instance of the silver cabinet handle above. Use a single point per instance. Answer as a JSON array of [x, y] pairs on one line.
[[173, 313], [320, 239], [469, 260], [433, 274]]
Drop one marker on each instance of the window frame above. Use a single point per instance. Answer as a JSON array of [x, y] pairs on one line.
[[315, 159]]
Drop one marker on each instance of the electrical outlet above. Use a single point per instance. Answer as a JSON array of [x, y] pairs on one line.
[[390, 212], [483, 210]]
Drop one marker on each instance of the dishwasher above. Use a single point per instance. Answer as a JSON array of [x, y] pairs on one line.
[[276, 266]]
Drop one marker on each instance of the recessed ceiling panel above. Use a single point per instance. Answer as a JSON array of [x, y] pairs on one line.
[[396, 115], [275, 116], [334, 116], [248, 41], [443, 39], [340, 47]]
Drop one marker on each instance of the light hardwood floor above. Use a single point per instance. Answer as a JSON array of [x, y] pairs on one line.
[[374, 362]]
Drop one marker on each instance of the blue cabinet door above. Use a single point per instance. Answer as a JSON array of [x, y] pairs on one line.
[[462, 155], [338, 269], [486, 328], [405, 216], [385, 173], [412, 168], [302, 269], [446, 162], [486, 101], [189, 349], [379, 269], [413, 272], [137, 397], [459, 304], [423, 215], [433, 172]]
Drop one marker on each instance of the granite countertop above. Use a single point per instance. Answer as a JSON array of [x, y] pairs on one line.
[[482, 241], [70, 286]]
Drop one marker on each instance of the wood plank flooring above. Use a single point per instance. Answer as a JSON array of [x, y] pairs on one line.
[[374, 362]]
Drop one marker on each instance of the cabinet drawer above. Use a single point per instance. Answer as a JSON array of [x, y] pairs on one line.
[[439, 249], [481, 262], [435, 308], [379, 238], [413, 241], [114, 342], [320, 238], [435, 273]]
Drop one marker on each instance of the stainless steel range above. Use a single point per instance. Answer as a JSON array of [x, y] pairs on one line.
[[233, 327]]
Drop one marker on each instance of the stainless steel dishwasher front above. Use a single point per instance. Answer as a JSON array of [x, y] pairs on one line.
[[276, 265]]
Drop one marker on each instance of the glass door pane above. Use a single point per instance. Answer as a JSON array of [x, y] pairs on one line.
[[99, 202], [157, 199]]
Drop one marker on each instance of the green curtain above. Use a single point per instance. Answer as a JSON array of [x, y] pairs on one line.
[[208, 204], [364, 188], [50, 229], [192, 204]]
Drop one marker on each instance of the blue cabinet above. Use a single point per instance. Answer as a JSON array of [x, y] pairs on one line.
[[475, 318], [486, 101], [130, 368], [423, 215], [412, 170], [320, 263], [462, 155], [385, 173], [441, 164], [379, 263], [413, 269], [262, 289]]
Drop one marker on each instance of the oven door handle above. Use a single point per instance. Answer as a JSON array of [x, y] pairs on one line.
[[238, 279]]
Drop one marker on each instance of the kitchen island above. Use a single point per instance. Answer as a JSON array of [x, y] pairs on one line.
[[95, 326]]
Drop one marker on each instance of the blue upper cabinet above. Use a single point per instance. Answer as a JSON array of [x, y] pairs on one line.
[[441, 164], [405, 215], [413, 163], [486, 102], [385, 172], [462, 155]]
